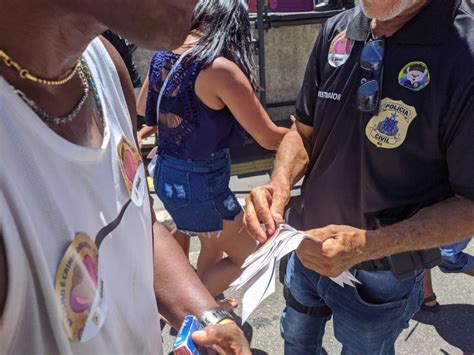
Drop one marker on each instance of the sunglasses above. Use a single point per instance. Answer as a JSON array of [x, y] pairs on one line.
[[371, 60]]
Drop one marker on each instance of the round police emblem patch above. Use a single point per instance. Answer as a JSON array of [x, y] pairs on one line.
[[414, 76]]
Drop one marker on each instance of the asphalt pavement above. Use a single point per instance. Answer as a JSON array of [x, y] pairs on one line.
[[450, 331]]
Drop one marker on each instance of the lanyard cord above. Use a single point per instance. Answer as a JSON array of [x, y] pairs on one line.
[[105, 231]]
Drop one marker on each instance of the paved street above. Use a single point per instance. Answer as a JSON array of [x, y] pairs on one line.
[[451, 331]]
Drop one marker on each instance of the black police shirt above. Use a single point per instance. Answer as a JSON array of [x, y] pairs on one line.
[[371, 170]]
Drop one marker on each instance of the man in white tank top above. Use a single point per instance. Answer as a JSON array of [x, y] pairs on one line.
[[82, 265]]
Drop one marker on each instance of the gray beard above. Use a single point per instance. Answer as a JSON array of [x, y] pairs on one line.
[[394, 11]]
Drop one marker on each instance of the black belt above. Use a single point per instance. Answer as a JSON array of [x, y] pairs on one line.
[[320, 312], [374, 265], [404, 265]]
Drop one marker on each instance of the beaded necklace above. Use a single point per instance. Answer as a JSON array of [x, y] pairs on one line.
[[93, 87]]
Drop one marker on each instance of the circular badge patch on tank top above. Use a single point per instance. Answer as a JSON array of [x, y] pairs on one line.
[[133, 172], [340, 50], [80, 291]]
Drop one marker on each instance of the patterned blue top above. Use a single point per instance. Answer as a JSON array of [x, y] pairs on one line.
[[187, 128]]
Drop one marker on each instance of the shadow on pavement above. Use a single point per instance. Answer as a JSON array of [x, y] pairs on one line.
[[454, 323]]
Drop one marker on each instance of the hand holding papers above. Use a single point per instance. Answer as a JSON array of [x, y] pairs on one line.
[[260, 268]]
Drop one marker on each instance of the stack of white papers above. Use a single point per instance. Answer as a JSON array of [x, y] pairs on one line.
[[260, 268]]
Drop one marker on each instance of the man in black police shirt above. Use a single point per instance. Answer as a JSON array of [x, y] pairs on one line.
[[385, 139]]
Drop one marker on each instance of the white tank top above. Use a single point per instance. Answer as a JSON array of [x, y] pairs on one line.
[[50, 190]]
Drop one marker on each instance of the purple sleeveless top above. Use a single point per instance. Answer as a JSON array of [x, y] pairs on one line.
[[187, 128]]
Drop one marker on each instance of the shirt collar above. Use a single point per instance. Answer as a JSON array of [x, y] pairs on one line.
[[425, 28]]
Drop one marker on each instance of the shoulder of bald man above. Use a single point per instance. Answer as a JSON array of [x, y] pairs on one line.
[[125, 80]]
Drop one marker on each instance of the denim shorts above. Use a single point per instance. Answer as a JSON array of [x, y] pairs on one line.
[[196, 193], [367, 319]]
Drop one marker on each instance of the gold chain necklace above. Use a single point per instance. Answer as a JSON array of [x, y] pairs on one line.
[[88, 85], [25, 73]]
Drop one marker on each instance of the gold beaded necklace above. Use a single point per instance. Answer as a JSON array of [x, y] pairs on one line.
[[25, 73]]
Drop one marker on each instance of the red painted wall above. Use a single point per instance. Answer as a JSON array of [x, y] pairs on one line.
[[284, 5]]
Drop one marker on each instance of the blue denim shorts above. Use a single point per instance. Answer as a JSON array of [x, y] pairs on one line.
[[196, 193]]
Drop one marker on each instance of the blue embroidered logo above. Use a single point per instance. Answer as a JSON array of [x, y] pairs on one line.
[[389, 126]]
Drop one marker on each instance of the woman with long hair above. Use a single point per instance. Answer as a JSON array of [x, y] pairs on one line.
[[201, 100]]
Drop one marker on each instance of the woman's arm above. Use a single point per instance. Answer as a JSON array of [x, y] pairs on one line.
[[142, 96], [145, 131], [224, 84]]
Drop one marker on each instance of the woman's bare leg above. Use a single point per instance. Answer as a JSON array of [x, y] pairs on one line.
[[427, 284], [183, 240], [428, 290], [216, 272], [209, 255]]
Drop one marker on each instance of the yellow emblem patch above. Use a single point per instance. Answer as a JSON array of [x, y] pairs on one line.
[[389, 128]]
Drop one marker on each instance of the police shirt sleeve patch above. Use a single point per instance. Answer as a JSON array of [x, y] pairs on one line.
[[339, 50], [389, 128], [414, 76]]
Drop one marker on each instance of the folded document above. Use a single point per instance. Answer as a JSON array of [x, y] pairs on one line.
[[260, 268]]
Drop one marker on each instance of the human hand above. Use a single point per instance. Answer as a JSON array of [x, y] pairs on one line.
[[333, 249], [223, 338], [265, 204]]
